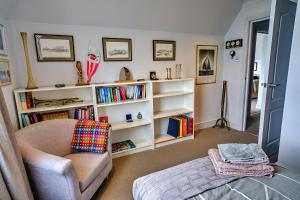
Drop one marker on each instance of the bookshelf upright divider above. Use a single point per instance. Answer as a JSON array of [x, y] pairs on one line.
[[157, 101]]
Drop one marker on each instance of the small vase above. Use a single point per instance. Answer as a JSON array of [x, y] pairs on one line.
[[139, 115]]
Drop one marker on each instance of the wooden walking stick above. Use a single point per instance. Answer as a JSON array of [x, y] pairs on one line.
[[222, 122], [30, 82]]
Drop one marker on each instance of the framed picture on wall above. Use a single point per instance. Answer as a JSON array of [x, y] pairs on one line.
[[117, 49], [206, 64], [164, 50], [5, 72], [3, 51], [54, 47]]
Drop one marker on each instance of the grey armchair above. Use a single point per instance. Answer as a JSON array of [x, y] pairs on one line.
[[55, 173]]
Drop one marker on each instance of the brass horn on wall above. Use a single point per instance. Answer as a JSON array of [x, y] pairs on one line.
[[30, 83]]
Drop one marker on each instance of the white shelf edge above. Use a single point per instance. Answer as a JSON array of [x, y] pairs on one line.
[[174, 141], [170, 94], [42, 89], [50, 108], [120, 84], [122, 102], [139, 148], [125, 125], [173, 80], [164, 114]]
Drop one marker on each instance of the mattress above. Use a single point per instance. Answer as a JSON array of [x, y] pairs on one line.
[[196, 180]]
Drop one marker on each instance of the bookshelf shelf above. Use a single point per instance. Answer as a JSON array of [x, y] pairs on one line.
[[125, 125], [171, 94], [53, 108], [156, 100], [122, 102], [140, 145], [171, 113]]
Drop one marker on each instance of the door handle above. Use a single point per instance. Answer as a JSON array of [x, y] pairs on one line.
[[270, 85]]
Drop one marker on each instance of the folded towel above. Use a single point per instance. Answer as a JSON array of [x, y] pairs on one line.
[[243, 154], [223, 168]]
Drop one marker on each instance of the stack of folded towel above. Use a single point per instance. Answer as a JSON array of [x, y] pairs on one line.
[[240, 160]]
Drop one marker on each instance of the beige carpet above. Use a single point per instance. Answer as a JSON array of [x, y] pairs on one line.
[[128, 168]]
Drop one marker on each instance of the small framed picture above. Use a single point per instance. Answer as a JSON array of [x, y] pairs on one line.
[[3, 51], [153, 75], [117, 49], [164, 50], [206, 66], [54, 47], [5, 73]]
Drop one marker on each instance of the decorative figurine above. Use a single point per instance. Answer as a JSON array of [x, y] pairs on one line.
[[153, 75], [125, 75], [139, 115], [93, 61], [178, 71], [80, 80], [129, 118], [30, 83]]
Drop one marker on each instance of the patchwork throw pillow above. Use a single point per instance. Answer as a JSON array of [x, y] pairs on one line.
[[90, 136]]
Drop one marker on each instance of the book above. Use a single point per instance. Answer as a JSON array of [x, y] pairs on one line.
[[23, 101], [121, 146], [173, 127]]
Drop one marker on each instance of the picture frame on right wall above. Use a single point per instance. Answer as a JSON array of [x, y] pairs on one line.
[[206, 64]]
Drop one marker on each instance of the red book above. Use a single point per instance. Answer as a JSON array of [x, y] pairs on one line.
[[191, 125], [28, 99], [122, 91]]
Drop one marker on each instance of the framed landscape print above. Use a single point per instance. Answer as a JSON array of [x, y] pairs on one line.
[[164, 50], [54, 47], [3, 50], [207, 65], [5, 73], [117, 49]]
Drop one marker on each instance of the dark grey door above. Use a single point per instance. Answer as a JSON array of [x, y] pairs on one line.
[[281, 30]]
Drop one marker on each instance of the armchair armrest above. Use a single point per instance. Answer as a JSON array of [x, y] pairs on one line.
[[42, 160], [52, 177]]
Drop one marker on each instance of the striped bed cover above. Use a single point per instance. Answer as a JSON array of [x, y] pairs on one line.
[[284, 185]]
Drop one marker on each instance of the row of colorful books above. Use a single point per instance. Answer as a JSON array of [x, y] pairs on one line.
[[121, 146], [84, 113], [118, 94], [26, 100], [180, 126], [32, 118]]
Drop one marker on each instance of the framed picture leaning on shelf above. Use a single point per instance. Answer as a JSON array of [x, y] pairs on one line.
[[164, 50], [206, 64], [3, 51], [117, 49], [54, 47], [5, 72]]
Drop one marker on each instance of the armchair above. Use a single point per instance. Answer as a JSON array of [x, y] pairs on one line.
[[54, 171]]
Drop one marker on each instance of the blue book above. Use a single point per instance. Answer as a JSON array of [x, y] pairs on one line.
[[173, 127]]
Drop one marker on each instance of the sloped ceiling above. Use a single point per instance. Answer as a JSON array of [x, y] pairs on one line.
[[209, 17]]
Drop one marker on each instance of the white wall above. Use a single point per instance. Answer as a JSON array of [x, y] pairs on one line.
[[289, 149], [49, 73], [8, 90], [234, 72]]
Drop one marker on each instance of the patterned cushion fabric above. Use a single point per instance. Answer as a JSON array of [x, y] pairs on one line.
[[90, 136]]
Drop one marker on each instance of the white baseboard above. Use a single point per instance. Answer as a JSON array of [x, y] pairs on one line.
[[211, 123], [203, 125]]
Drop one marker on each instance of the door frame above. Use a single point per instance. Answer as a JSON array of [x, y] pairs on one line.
[[247, 73]]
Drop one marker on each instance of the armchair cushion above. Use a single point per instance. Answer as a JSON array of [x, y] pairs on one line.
[[90, 136], [88, 166]]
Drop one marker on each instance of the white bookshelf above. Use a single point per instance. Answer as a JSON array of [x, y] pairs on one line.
[[150, 132]]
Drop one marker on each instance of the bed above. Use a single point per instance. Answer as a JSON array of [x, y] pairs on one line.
[[197, 180]]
